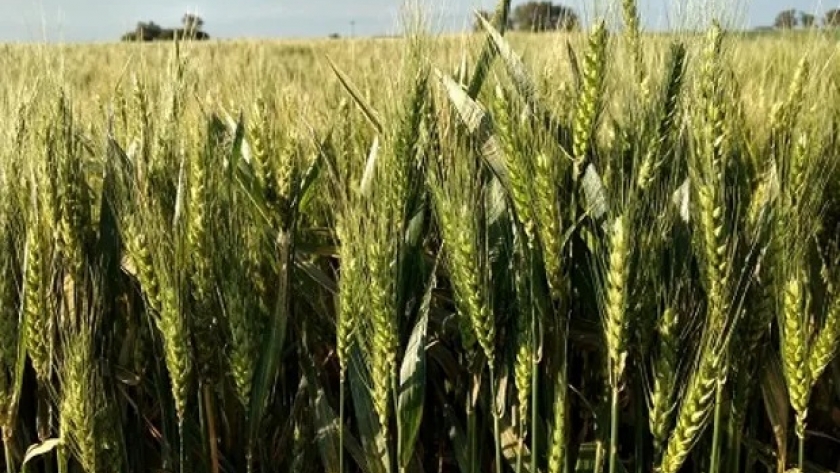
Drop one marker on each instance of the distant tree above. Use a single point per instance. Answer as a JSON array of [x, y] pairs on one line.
[[192, 22], [334, 36], [807, 20], [147, 31], [832, 18], [545, 16], [150, 31], [786, 20]]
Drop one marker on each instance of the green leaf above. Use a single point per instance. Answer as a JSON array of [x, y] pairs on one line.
[[595, 193], [239, 146], [574, 65], [368, 423], [479, 125], [309, 176], [587, 458], [248, 182], [497, 204], [180, 196], [273, 342], [41, 449], [774, 392], [587, 461], [326, 424], [512, 448], [370, 168], [348, 85], [513, 63], [457, 437], [682, 200], [412, 392], [488, 52], [310, 269]]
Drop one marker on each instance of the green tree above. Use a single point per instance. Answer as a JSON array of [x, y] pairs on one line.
[[832, 18], [544, 16], [807, 20], [192, 22], [786, 20], [151, 31]]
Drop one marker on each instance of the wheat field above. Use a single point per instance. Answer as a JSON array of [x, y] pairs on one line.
[[582, 252]]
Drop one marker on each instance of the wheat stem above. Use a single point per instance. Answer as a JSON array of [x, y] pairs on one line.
[[497, 435]]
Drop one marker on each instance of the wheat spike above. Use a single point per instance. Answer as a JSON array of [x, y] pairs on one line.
[[8, 321], [549, 220], [350, 287], [616, 295], [589, 101], [78, 407], [630, 12], [557, 446], [384, 340], [523, 366], [38, 321], [825, 346], [668, 121], [794, 349], [694, 411], [518, 167], [664, 379], [176, 345], [456, 186]]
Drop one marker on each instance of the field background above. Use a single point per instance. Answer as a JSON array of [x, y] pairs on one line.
[[215, 254]]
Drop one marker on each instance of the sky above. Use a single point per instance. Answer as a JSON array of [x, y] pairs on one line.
[[106, 20]]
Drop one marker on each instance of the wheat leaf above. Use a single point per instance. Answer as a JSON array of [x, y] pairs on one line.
[[370, 168], [366, 418], [348, 85], [513, 63], [595, 193], [479, 125], [412, 391], [41, 449]]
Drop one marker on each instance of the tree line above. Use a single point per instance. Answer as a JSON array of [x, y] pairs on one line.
[[538, 16], [789, 19], [151, 31]]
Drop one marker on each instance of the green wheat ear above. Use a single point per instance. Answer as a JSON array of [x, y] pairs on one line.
[[589, 100], [616, 294], [826, 345], [38, 323], [664, 379], [9, 323], [630, 12]]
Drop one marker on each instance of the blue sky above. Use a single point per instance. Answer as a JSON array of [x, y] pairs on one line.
[[104, 20]]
